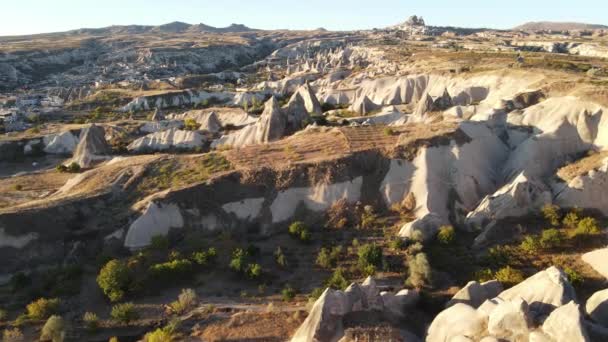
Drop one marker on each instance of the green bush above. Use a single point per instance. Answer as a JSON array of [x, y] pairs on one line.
[[551, 214], [587, 226], [171, 270], [323, 258], [574, 277], [186, 300], [13, 334], [499, 256], [159, 243], [114, 280], [288, 293], [204, 258], [3, 315], [509, 276], [300, 231], [124, 313], [91, 321], [191, 124], [53, 330], [368, 217], [396, 244], [73, 167], [484, 275], [254, 271], [239, 260], [446, 235], [159, 335], [571, 219], [42, 308], [420, 271], [388, 131], [338, 280], [370, 254], [280, 257], [530, 245], [551, 238]]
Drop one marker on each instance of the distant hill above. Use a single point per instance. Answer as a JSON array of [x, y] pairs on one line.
[[558, 26], [174, 27]]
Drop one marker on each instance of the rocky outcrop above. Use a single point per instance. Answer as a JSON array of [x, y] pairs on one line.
[[474, 293], [459, 321], [156, 220], [92, 147], [171, 139], [586, 191], [61, 143], [310, 99], [517, 314], [544, 291], [597, 260], [324, 322], [566, 324], [510, 320], [273, 124], [158, 126], [597, 307], [518, 198]]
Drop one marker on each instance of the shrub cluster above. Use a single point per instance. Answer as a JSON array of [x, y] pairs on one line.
[[420, 271], [328, 258], [300, 231], [186, 300], [53, 330], [114, 279], [42, 308], [370, 258], [204, 258], [241, 263], [124, 313]]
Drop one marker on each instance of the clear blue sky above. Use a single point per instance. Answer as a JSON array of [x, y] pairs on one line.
[[36, 16]]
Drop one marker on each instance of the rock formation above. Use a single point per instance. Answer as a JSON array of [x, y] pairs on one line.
[[167, 140], [92, 147]]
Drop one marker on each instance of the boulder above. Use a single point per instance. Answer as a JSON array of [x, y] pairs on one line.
[[167, 140], [398, 304], [456, 321], [372, 294], [518, 198], [92, 147], [296, 113], [597, 260], [544, 291], [157, 126], [272, 125], [364, 106], [566, 324], [474, 293], [425, 228], [324, 322], [510, 320], [157, 219], [61, 143], [309, 98], [597, 307]]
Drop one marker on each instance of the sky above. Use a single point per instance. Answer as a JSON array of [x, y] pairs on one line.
[[38, 16]]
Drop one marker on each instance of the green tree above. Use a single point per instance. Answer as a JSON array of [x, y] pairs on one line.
[[551, 238], [551, 214], [114, 280]]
